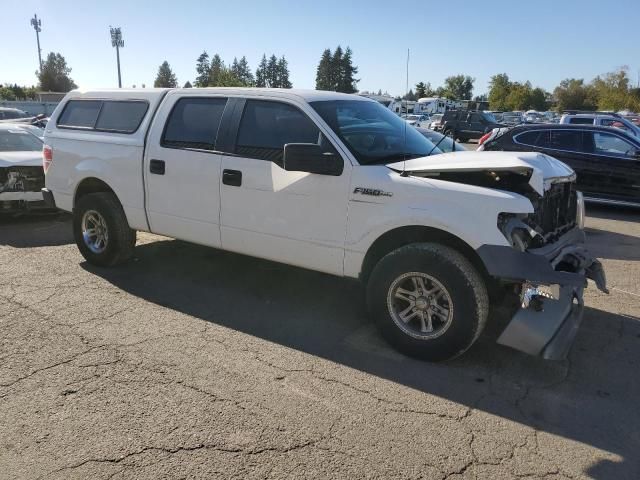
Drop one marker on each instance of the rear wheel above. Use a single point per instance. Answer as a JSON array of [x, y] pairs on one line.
[[428, 301], [101, 230]]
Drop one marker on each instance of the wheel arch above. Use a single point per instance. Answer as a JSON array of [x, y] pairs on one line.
[[91, 185], [405, 235]]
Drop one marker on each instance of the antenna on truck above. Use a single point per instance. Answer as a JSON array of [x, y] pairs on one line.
[[404, 147]]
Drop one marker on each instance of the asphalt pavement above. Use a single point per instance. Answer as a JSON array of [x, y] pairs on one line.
[[189, 362]]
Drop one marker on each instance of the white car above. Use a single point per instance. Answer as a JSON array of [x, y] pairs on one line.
[[21, 173], [334, 183], [602, 120]]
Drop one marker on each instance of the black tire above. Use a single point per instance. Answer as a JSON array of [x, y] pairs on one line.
[[463, 284], [121, 239]]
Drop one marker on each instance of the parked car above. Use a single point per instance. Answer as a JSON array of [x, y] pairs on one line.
[[335, 183], [512, 118], [12, 113], [436, 122], [602, 120], [416, 120], [21, 173], [468, 125], [443, 143], [605, 159]]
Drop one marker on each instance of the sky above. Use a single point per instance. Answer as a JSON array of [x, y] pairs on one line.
[[543, 41]]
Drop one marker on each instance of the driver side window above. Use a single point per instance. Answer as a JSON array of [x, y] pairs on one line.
[[267, 126]]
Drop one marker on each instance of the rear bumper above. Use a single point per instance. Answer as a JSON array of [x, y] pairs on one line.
[[552, 281]]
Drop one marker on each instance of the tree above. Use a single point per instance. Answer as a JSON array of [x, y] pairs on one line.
[[283, 74], [323, 72], [538, 100], [203, 68], [242, 72], [499, 88], [336, 71], [261, 72], [347, 83], [216, 67], [410, 96], [165, 77], [573, 94], [187, 85], [421, 88], [54, 76], [271, 75], [612, 91], [457, 87]]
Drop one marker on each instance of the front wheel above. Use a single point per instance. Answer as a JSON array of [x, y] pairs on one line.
[[428, 301], [101, 230]]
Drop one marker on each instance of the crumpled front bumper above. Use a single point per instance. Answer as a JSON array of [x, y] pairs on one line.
[[553, 279]]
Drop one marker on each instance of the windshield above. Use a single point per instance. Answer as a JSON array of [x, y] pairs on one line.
[[19, 141], [445, 144], [489, 117], [372, 133]]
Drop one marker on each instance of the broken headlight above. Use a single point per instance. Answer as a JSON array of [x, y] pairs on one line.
[[520, 235]]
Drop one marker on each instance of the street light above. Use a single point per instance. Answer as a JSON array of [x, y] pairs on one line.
[[36, 23], [118, 42]]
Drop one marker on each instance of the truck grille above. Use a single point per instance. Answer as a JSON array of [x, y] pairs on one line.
[[555, 213], [21, 179]]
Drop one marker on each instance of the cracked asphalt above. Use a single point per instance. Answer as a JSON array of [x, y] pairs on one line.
[[194, 363]]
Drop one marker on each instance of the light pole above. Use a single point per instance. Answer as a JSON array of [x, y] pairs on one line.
[[36, 23], [118, 42]]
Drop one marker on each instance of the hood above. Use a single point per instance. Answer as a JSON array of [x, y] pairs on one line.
[[25, 159], [541, 170]]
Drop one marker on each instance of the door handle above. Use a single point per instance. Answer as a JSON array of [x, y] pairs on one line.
[[156, 167], [232, 177]]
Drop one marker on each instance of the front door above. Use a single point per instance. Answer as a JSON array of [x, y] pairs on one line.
[[616, 161], [297, 218], [182, 169]]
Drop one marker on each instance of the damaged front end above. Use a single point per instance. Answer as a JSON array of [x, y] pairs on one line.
[[550, 265], [20, 188]]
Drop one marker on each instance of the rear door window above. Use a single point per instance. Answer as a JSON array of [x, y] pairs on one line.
[[533, 138], [570, 140], [609, 144], [194, 123], [581, 121], [266, 127]]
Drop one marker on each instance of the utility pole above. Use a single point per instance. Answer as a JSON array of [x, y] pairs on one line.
[[118, 42], [36, 23]]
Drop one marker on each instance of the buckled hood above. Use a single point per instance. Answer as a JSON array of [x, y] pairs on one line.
[[542, 170]]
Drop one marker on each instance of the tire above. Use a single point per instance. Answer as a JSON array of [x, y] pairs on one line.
[[443, 269], [103, 212]]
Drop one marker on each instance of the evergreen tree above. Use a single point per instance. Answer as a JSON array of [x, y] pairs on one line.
[[421, 89], [336, 70], [261, 72], [272, 72], [323, 71], [346, 80], [187, 85], [380, 92], [203, 68], [54, 76], [244, 73], [165, 77], [283, 74], [217, 65]]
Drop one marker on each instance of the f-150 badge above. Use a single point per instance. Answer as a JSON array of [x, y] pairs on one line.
[[374, 192]]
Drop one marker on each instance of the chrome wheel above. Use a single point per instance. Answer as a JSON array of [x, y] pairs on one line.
[[94, 231], [420, 305]]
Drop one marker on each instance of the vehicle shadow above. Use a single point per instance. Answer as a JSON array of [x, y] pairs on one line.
[[590, 398], [618, 246], [32, 231]]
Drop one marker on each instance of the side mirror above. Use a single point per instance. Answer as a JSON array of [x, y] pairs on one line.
[[309, 157]]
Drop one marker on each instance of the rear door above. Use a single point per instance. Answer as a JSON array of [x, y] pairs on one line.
[[615, 160], [182, 168], [297, 218]]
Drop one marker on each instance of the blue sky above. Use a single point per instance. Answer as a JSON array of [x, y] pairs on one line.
[[538, 40]]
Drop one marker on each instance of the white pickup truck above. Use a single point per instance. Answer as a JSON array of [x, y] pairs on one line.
[[335, 183]]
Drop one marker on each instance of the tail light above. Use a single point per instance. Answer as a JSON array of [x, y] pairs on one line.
[[47, 157], [484, 138]]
